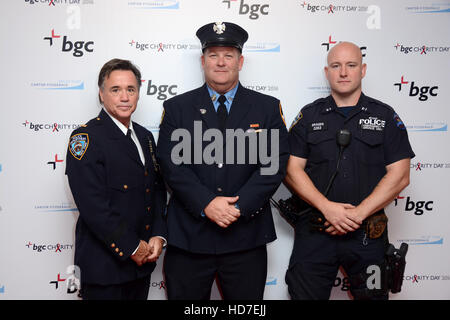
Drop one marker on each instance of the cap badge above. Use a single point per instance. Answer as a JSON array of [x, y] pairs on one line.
[[219, 27]]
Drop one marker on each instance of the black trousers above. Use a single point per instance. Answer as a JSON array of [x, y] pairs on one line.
[[316, 258], [133, 290], [241, 275]]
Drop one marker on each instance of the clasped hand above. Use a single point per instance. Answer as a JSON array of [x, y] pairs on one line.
[[148, 252], [341, 218], [222, 211]]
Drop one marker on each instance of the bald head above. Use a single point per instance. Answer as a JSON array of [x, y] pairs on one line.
[[348, 49], [344, 72]]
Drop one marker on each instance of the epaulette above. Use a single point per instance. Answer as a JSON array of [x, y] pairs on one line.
[[314, 103], [299, 116], [379, 103]]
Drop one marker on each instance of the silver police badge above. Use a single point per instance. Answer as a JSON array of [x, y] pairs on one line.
[[219, 27]]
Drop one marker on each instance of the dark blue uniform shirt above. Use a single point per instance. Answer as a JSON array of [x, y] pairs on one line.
[[379, 138]]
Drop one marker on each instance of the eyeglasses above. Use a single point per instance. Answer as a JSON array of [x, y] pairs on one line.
[[131, 91]]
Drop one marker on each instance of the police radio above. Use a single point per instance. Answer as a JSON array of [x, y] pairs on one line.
[[343, 138]]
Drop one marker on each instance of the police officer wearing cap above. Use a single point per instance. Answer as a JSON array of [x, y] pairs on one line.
[[219, 217], [120, 195], [347, 226]]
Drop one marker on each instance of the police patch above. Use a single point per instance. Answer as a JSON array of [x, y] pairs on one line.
[[282, 115], [78, 145], [296, 119], [372, 123], [162, 116], [398, 122]]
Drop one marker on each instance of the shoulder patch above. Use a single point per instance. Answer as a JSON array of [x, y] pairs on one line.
[[162, 116], [282, 115], [398, 122], [78, 145], [296, 119]]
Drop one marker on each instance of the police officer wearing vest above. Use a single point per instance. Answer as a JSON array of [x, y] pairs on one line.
[[116, 185], [347, 226], [219, 216]]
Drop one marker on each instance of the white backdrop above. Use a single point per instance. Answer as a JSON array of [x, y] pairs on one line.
[[52, 51]]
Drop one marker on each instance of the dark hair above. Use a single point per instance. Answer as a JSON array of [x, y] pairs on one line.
[[117, 64]]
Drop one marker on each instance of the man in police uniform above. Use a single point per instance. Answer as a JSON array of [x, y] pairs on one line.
[[374, 168], [114, 178], [219, 217]]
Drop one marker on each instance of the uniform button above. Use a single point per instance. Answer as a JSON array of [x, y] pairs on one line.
[[121, 254], [98, 119], [344, 157], [125, 186], [319, 219], [113, 245], [220, 165], [219, 189], [147, 227], [117, 250], [147, 190], [345, 175], [148, 209], [146, 173]]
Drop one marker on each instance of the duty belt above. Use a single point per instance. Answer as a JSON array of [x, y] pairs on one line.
[[374, 225]]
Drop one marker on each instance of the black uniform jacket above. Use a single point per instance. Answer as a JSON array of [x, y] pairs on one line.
[[120, 200], [193, 185]]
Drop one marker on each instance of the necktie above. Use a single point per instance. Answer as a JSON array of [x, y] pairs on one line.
[[132, 141], [222, 113], [129, 134]]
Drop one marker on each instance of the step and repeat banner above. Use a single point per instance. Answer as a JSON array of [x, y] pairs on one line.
[[51, 53]]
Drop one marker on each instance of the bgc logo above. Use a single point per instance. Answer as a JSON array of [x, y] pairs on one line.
[[162, 91], [162, 47], [53, 127], [55, 161], [417, 207], [330, 43], [78, 48], [415, 90], [252, 10], [48, 247], [422, 50], [72, 280], [316, 8]]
